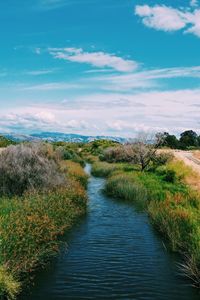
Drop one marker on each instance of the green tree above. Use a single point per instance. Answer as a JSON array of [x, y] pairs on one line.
[[188, 138], [170, 141]]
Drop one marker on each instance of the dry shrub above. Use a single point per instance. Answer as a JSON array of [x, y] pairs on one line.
[[123, 153], [28, 167]]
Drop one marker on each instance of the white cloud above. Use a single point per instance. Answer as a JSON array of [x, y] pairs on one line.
[[39, 72], [50, 86], [144, 79], [96, 59], [161, 17], [38, 120], [194, 3], [110, 114]]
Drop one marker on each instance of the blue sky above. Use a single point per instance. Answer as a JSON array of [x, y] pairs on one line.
[[114, 67]]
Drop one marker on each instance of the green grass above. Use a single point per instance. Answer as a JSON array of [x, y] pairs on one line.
[[173, 207], [30, 226], [104, 169], [124, 186]]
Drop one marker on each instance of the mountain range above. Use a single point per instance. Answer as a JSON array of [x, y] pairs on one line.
[[58, 136]]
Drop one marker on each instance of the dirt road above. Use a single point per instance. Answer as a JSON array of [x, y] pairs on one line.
[[189, 159]]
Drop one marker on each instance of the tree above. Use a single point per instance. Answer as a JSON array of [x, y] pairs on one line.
[[170, 141], [145, 149], [188, 138]]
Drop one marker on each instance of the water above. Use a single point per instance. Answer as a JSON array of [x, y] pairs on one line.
[[113, 253]]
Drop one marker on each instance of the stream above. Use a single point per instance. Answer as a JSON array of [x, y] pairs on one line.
[[112, 253]]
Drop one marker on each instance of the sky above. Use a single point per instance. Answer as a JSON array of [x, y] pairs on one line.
[[99, 67]]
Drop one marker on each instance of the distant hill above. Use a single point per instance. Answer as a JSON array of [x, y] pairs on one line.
[[57, 137]]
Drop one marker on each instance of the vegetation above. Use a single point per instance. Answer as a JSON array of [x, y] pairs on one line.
[[189, 139], [69, 151], [104, 169], [139, 153], [97, 147], [4, 142], [172, 205], [28, 167], [34, 214]]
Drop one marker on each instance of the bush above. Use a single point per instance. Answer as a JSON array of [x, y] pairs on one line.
[[167, 174], [28, 167], [118, 154], [161, 159], [63, 153]]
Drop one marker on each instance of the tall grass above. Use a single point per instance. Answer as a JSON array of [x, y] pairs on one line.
[[31, 224], [104, 169], [177, 218], [123, 186], [74, 170]]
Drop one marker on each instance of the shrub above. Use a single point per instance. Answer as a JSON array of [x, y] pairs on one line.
[[167, 174], [28, 167], [64, 153], [123, 153], [162, 159]]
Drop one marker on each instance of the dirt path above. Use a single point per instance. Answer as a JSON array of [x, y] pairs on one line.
[[189, 159]]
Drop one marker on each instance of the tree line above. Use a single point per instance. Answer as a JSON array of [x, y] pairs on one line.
[[189, 139]]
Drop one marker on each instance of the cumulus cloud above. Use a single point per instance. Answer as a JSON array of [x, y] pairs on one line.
[[110, 114], [38, 120], [161, 17], [96, 59]]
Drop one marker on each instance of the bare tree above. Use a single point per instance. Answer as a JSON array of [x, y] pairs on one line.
[[145, 149]]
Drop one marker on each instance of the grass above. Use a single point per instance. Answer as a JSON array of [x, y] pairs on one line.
[[123, 186], [173, 207], [103, 169], [75, 171], [30, 226]]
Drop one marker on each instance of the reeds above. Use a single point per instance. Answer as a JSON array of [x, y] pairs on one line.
[[31, 224]]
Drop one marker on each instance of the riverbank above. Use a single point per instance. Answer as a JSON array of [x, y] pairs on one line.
[[113, 253], [30, 227], [172, 205]]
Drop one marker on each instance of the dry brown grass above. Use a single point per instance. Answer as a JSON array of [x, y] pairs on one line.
[[196, 154], [185, 167]]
